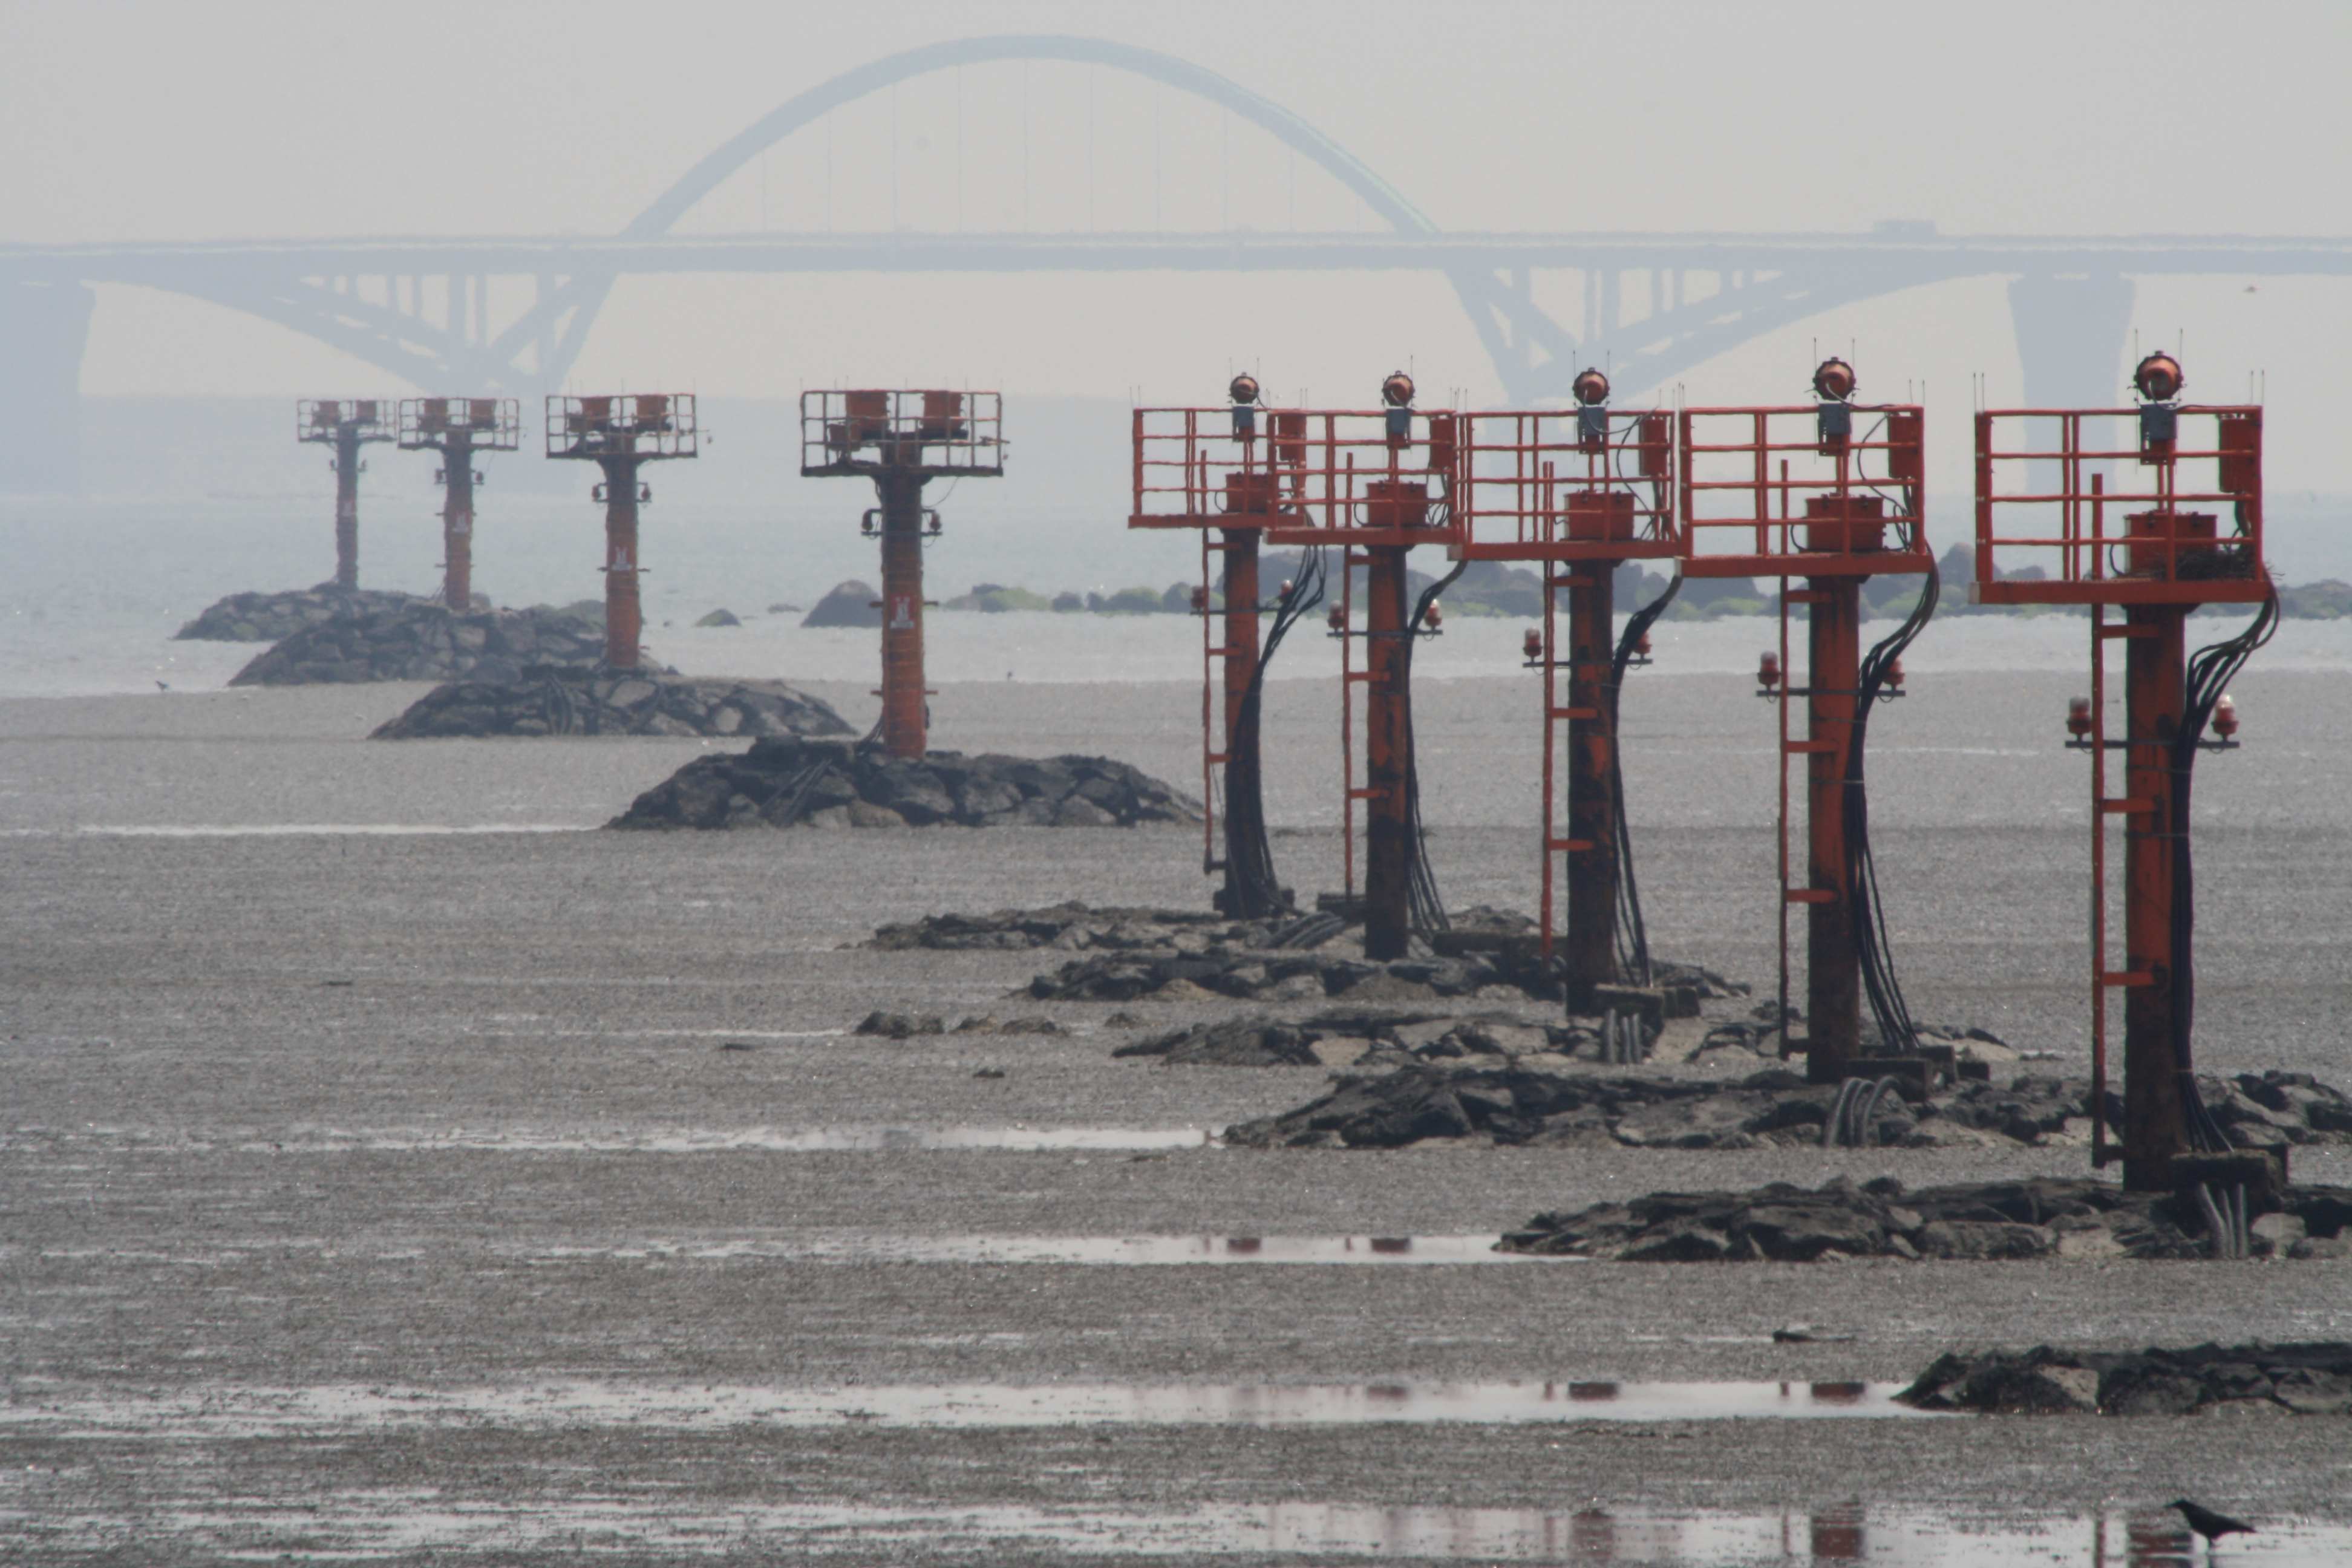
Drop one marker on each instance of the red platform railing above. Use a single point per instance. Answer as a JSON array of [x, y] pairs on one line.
[[1765, 493], [2072, 510]]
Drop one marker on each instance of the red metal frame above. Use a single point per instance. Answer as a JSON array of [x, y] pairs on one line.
[[902, 439], [620, 434], [458, 428], [2095, 557], [2144, 551], [1240, 515], [1336, 478], [1773, 492], [1577, 491], [346, 424]]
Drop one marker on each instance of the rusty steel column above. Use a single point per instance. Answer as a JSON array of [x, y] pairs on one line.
[[2156, 1122], [1591, 951], [905, 723], [457, 525], [347, 506], [1241, 626], [624, 613], [1832, 967], [1389, 847]]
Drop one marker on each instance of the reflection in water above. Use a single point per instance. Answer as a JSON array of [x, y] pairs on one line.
[[1140, 1251], [377, 1523], [722, 1140], [234, 1411]]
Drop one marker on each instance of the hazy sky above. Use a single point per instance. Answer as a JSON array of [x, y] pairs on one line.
[[233, 118]]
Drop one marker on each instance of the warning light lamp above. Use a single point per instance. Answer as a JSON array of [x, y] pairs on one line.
[[1396, 392], [1433, 616], [1895, 675], [1199, 601], [2158, 378], [1591, 390], [1244, 393], [1834, 417], [1288, 587], [1768, 672], [1338, 621], [1531, 646], [2078, 717], [2225, 717], [1641, 645]]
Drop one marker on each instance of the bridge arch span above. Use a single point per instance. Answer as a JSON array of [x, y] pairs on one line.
[[805, 108]]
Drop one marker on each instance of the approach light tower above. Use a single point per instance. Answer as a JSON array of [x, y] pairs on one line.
[[902, 441], [1742, 473], [1364, 489], [2156, 549], [346, 425], [620, 435], [1256, 475], [1578, 492], [458, 428]]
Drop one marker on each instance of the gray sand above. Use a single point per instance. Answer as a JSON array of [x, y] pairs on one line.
[[220, 1171]]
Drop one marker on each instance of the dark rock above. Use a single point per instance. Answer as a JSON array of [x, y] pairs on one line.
[[899, 1026], [420, 640], [557, 699], [2312, 1379], [272, 618], [1975, 1221], [1235, 1042], [851, 603], [783, 782]]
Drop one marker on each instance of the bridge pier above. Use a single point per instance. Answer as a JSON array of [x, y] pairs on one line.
[[44, 327], [2071, 333]]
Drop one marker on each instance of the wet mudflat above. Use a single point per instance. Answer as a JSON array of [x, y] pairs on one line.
[[449, 1122]]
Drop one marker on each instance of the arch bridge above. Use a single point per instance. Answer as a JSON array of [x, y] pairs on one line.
[[1654, 305]]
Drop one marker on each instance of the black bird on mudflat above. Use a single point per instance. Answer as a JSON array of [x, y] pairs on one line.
[[2211, 1525]]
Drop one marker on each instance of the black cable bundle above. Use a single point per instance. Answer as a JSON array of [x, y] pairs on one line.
[[2210, 671], [1897, 1033], [1632, 936], [1256, 892], [1428, 906]]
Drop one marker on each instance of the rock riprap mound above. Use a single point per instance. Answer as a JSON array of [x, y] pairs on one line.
[[2309, 1379], [420, 640], [851, 603], [563, 699], [1518, 1102], [1263, 1041], [2042, 1217], [1079, 928], [787, 783], [272, 618]]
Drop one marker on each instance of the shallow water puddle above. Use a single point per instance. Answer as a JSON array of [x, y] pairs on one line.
[[381, 1524], [1147, 1251], [770, 1140], [236, 1410]]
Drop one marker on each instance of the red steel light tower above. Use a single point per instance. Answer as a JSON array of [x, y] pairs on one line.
[[2156, 550], [346, 425], [902, 441], [1215, 470], [620, 435], [1357, 484], [458, 428], [1791, 492], [1578, 491]]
